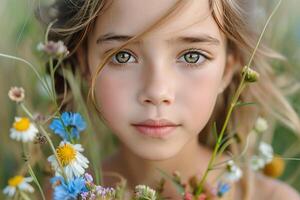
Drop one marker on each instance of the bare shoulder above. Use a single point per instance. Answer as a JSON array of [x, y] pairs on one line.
[[274, 189]]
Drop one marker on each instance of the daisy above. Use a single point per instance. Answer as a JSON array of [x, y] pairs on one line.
[[23, 130], [73, 162], [18, 182]]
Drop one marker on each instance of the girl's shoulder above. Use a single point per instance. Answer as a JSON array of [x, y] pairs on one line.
[[269, 188]]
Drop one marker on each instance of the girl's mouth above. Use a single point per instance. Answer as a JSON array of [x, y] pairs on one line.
[[156, 128]]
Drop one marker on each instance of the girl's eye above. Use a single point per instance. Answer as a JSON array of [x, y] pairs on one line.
[[194, 58], [123, 57]]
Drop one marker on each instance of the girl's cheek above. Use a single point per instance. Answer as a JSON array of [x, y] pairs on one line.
[[114, 96], [199, 98]]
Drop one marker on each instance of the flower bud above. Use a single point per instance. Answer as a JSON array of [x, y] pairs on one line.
[[250, 74]]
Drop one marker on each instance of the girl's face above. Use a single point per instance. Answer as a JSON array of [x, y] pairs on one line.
[[175, 72]]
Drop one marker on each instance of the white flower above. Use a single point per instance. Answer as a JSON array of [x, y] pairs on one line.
[[144, 192], [233, 172], [256, 162], [261, 125], [265, 156], [266, 152], [23, 130], [73, 162], [18, 182], [16, 94]]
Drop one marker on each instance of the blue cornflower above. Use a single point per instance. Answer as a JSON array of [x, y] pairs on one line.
[[69, 122], [223, 188], [70, 190]]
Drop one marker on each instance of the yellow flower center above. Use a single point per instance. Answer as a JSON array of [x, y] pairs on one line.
[[66, 154], [15, 181], [22, 125]]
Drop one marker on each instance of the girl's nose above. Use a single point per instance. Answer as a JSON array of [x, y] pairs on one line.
[[158, 88]]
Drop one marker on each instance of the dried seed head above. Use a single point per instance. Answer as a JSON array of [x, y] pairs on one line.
[[16, 94]]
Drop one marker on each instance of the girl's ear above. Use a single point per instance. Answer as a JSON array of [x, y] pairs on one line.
[[83, 63], [229, 71]]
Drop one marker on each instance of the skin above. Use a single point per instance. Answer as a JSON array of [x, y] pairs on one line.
[[159, 82]]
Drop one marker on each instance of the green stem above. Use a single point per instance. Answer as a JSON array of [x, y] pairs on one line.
[[232, 105], [44, 132], [31, 172], [45, 86]]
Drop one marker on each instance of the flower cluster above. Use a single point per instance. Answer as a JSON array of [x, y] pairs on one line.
[[54, 49], [96, 191]]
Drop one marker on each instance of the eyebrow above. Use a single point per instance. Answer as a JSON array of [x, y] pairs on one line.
[[110, 37]]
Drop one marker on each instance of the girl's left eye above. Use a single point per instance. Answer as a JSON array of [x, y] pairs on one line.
[[193, 58]]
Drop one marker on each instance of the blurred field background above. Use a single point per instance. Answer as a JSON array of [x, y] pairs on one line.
[[20, 32]]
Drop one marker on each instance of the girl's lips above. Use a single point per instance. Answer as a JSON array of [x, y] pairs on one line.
[[155, 131]]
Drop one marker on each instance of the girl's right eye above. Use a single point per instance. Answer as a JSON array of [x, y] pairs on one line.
[[123, 57]]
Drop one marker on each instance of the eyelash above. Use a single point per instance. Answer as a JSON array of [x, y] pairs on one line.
[[189, 51]]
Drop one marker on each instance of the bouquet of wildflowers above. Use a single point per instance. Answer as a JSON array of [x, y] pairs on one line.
[[68, 161]]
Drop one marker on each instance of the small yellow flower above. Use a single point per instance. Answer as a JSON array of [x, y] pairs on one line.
[[23, 130], [275, 168], [18, 182]]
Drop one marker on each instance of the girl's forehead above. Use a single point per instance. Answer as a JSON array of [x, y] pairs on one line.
[[130, 17]]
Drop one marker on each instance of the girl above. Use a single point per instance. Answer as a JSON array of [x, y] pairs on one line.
[[161, 72]]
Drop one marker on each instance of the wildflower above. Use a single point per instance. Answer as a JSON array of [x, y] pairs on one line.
[[256, 163], [16, 94], [99, 192], [222, 188], [275, 168], [105, 192], [55, 49], [68, 190], [250, 75], [73, 162], [23, 130], [144, 192], [88, 178], [266, 152], [233, 172], [261, 125], [68, 126], [18, 182], [265, 156]]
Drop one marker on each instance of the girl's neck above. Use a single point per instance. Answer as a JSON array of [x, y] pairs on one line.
[[190, 161]]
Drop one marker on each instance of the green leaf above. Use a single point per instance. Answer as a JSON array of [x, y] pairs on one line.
[[240, 104], [214, 130]]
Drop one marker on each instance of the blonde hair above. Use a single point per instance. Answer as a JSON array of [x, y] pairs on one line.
[[235, 20]]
